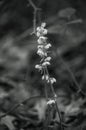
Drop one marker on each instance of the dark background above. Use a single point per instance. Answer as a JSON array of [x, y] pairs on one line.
[[18, 77]]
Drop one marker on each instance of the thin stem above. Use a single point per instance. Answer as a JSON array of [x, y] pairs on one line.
[[32, 4], [53, 92], [39, 17], [54, 96], [59, 115], [45, 85], [34, 15], [34, 21]]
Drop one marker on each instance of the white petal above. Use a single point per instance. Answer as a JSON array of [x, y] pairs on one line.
[[43, 24], [46, 63], [50, 102], [48, 59], [48, 46]]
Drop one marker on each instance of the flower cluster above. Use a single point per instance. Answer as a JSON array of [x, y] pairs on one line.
[[42, 51], [52, 80], [50, 102], [43, 46]]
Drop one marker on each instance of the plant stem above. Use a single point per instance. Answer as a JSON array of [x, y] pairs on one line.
[[54, 96]]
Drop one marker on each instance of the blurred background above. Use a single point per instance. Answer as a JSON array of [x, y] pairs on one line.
[[66, 24]]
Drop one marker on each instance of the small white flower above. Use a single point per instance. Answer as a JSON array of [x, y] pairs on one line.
[[45, 63], [43, 25], [53, 80], [45, 77], [38, 34], [48, 59], [42, 40], [47, 46], [41, 31], [50, 102], [38, 29], [40, 52], [39, 67], [45, 31]]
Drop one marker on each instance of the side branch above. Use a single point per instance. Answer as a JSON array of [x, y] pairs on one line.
[[36, 9]]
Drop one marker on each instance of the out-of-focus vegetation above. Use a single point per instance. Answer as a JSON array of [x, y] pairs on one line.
[[18, 78]]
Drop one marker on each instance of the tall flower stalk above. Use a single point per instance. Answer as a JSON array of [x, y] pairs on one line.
[[43, 47], [43, 51]]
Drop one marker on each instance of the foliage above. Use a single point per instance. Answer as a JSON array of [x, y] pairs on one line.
[[21, 106]]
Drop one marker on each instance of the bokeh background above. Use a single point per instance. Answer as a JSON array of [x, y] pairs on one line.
[[66, 24]]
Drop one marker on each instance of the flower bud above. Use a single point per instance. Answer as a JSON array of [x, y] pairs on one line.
[[45, 63], [45, 77], [53, 80], [43, 25], [39, 67], [48, 59], [47, 46], [50, 102]]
